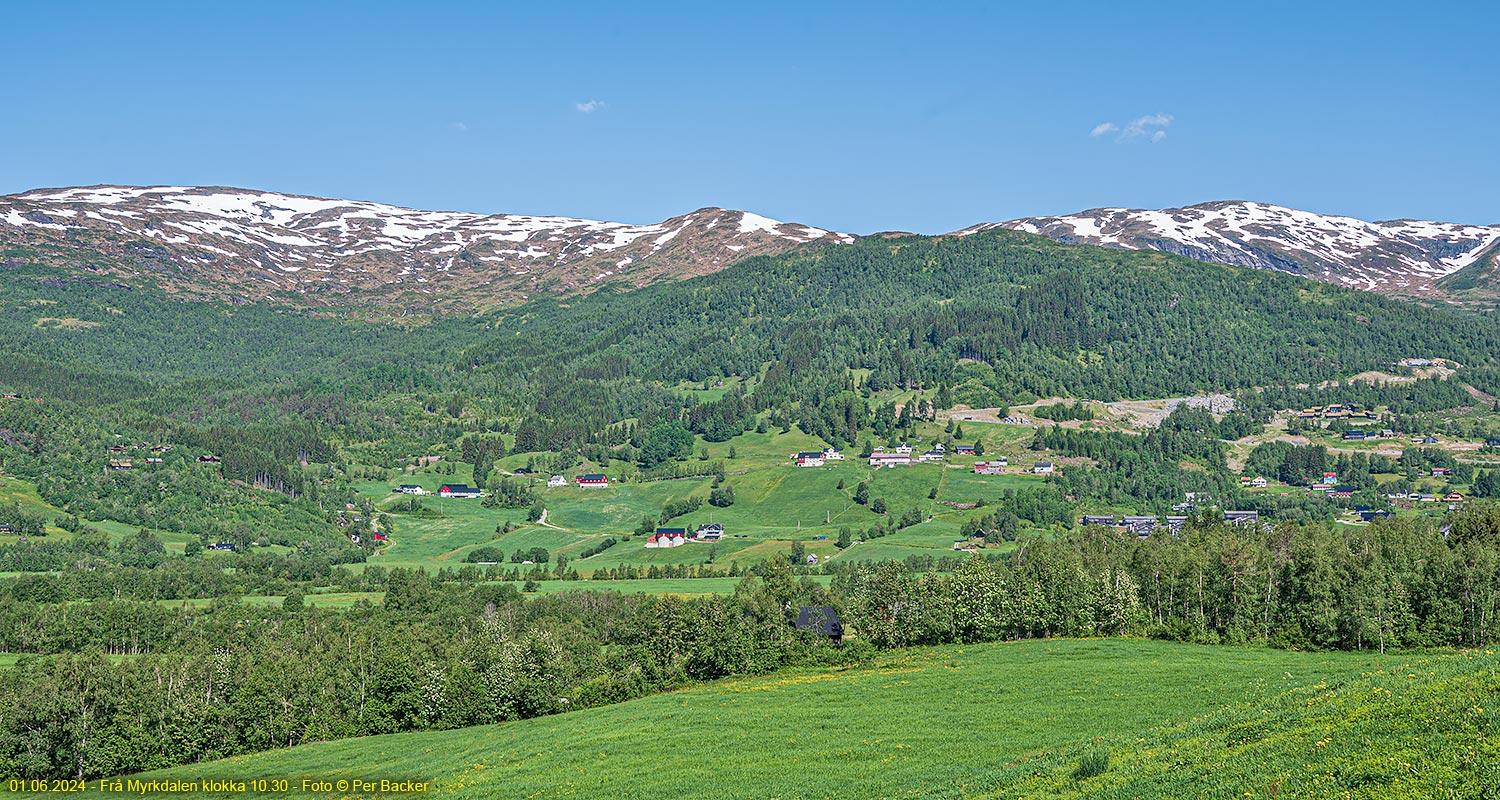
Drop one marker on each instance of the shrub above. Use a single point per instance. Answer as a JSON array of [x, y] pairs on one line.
[[1095, 762]]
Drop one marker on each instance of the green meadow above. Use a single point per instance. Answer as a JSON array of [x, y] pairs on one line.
[[776, 503], [1008, 720]]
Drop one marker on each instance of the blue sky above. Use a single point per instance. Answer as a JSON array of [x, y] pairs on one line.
[[854, 116]]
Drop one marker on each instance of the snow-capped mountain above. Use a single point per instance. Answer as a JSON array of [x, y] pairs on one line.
[[1403, 257], [252, 244]]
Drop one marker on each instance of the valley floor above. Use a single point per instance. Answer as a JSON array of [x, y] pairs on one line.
[[984, 721]]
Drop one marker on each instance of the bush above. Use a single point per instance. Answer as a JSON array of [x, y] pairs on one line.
[[293, 601], [1095, 762]]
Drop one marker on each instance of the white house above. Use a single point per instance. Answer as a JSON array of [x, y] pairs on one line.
[[880, 458], [1042, 468], [831, 454], [557, 480]]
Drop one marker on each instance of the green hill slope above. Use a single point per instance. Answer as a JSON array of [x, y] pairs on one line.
[[1002, 720]]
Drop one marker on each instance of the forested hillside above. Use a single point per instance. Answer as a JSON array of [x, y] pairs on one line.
[[999, 316]]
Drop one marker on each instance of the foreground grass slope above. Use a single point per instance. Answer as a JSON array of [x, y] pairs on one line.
[[985, 721]]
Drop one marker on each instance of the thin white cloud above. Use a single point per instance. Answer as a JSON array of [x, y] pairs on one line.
[[1151, 127], [590, 107], [461, 127]]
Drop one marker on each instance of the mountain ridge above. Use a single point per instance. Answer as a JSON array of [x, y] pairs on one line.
[[1402, 257], [322, 250], [248, 245]]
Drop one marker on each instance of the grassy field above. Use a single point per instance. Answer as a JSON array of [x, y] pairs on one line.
[[776, 503], [984, 721]]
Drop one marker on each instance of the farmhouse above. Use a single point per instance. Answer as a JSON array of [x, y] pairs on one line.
[[1354, 436], [209, 459], [709, 532], [410, 488], [556, 481], [1258, 482], [881, 458], [1441, 472], [990, 467], [1341, 491], [121, 463], [812, 459], [1387, 434], [931, 455], [820, 621], [903, 449], [831, 454], [1453, 497], [1042, 468], [964, 449], [1175, 523], [592, 479], [1097, 519], [1429, 439], [457, 490], [1140, 525], [1241, 517]]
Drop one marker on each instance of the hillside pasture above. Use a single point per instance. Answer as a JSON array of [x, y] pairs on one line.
[[984, 721]]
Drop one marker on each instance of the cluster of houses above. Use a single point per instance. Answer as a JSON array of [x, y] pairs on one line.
[[817, 458], [1335, 411], [1139, 525], [1329, 485], [1143, 525], [676, 537], [1362, 435], [1406, 500], [120, 460]]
